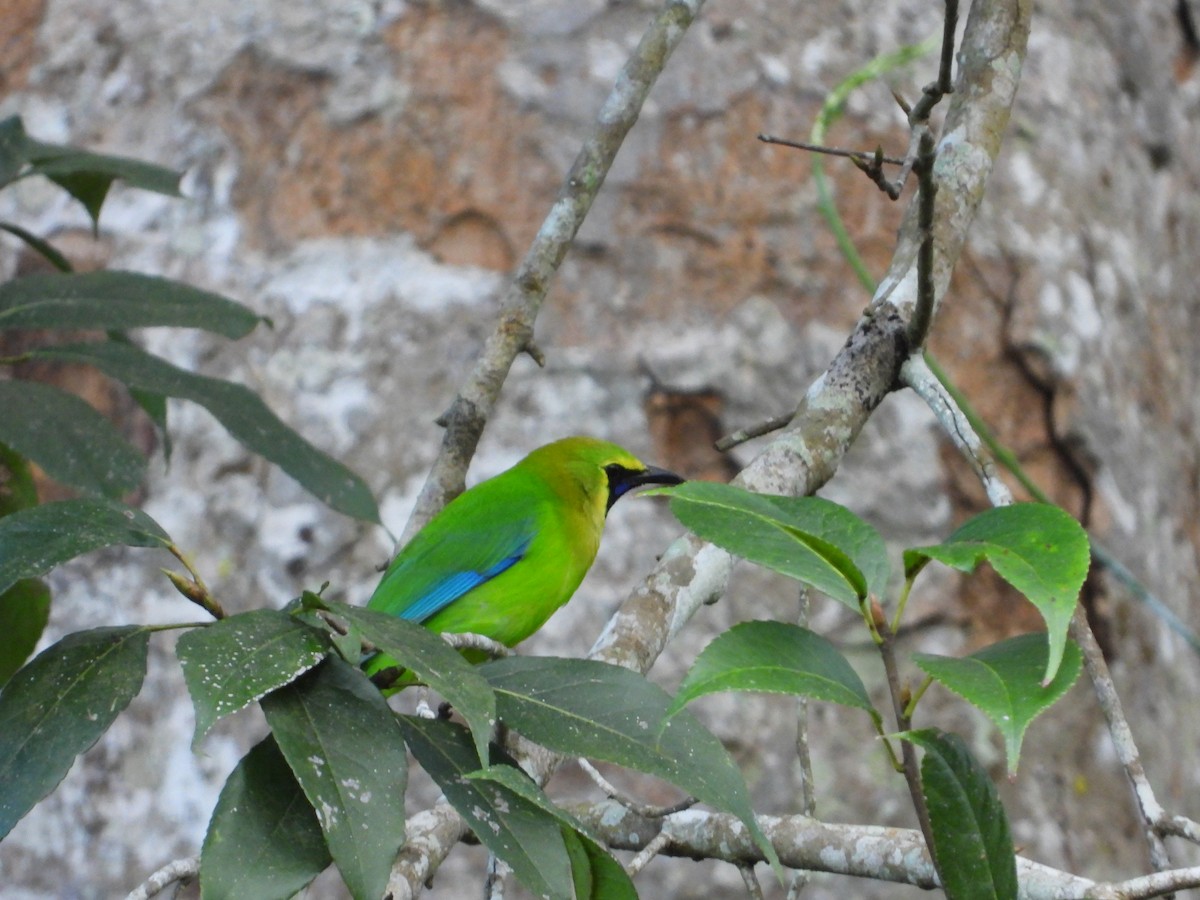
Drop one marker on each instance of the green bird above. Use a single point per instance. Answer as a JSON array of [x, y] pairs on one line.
[[504, 555]]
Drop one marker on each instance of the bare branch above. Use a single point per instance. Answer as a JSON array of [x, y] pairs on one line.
[[860, 155], [180, 870], [642, 809]]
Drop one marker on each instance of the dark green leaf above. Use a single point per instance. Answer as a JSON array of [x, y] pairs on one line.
[[263, 840], [433, 662], [64, 435], [17, 488], [89, 188], [1037, 548], [592, 709], [34, 541], [118, 300], [1003, 681], [240, 410], [775, 657], [347, 751], [14, 148], [60, 161], [806, 538], [517, 831], [233, 662], [24, 612], [59, 705], [595, 873], [44, 247], [972, 846]]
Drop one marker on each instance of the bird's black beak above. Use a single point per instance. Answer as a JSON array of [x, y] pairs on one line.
[[622, 480]]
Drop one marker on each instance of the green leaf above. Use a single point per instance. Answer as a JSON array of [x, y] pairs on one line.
[[60, 160], [517, 831], [17, 488], [775, 657], [347, 752], [14, 146], [118, 299], [595, 873], [806, 538], [433, 662], [589, 708], [59, 705], [34, 541], [240, 410], [64, 435], [1003, 681], [1037, 548], [44, 247], [24, 612], [235, 661], [972, 846], [263, 840]]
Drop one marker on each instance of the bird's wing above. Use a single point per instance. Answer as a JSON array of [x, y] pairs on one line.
[[440, 564]]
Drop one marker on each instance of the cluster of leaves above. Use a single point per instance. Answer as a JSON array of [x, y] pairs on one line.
[[68, 439], [1039, 549], [327, 784]]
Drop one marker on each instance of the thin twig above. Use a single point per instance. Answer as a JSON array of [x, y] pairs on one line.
[[180, 870], [753, 888], [922, 316], [753, 431], [932, 95], [642, 809], [657, 845], [917, 375], [497, 873], [861, 155], [466, 640]]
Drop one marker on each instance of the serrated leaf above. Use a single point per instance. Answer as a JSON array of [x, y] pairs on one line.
[[972, 845], [1037, 548], [240, 410], [24, 612], [806, 538], [773, 657], [65, 435], [116, 299], [235, 661], [1003, 681], [594, 872], [34, 541], [517, 831], [347, 752], [263, 840], [433, 662], [589, 708], [59, 705]]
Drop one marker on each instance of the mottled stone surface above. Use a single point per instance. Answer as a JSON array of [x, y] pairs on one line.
[[366, 175]]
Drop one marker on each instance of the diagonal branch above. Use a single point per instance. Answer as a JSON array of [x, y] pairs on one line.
[[469, 412]]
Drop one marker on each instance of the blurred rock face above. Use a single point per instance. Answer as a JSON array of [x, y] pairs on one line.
[[365, 177]]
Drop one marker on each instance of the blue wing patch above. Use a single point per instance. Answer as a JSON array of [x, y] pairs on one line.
[[454, 586]]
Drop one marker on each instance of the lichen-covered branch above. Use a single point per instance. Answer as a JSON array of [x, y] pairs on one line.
[[469, 412]]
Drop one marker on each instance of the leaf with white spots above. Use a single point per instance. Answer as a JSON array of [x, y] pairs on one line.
[[346, 750], [525, 836], [59, 705], [232, 663], [593, 709]]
